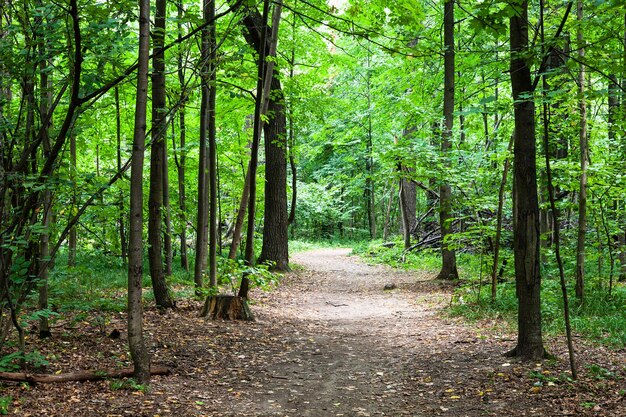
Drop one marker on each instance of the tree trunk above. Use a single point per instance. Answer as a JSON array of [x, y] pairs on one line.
[[241, 215], [136, 342], [209, 15], [121, 220], [180, 162], [167, 213], [162, 295], [202, 223], [73, 238], [275, 247], [448, 256], [262, 74], [584, 162], [525, 200], [496, 244]]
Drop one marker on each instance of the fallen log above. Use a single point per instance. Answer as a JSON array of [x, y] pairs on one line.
[[79, 376]]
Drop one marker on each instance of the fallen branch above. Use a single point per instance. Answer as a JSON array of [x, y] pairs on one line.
[[77, 376]]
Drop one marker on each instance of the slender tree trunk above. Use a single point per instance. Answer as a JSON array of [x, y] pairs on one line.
[[584, 163], [525, 199], [241, 215], [162, 295], [121, 220], [448, 266], [167, 213], [262, 72], [496, 245], [136, 342], [73, 238], [44, 243], [180, 162], [202, 224], [369, 160], [209, 10]]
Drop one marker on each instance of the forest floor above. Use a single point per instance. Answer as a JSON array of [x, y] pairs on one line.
[[330, 341]]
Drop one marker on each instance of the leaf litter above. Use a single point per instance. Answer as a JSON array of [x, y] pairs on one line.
[[330, 341]]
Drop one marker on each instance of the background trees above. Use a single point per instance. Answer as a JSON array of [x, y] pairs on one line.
[[366, 102]]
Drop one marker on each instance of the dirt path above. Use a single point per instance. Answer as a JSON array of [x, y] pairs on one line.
[[329, 342]]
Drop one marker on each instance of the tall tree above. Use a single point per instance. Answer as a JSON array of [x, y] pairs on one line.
[[202, 220], [276, 221], [136, 342], [584, 159], [162, 295], [525, 198], [448, 255], [209, 13]]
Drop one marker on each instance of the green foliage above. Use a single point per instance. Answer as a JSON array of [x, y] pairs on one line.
[[13, 361], [128, 384], [5, 402]]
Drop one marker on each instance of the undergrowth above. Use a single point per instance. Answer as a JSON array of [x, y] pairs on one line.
[[601, 317]]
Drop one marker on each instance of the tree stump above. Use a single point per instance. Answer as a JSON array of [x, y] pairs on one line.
[[226, 307]]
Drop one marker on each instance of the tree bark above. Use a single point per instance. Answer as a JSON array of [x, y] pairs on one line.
[[209, 14], [584, 162], [78, 376], [121, 221], [136, 342], [448, 256], [180, 162], [162, 295], [525, 200], [73, 238], [275, 248]]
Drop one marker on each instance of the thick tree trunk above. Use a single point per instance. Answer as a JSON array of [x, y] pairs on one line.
[[525, 200], [136, 342], [162, 295], [275, 247], [275, 229], [448, 256]]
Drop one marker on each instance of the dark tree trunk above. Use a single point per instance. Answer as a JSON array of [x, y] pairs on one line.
[[162, 296], [136, 342], [275, 247], [167, 212], [584, 162], [202, 223], [275, 237], [209, 15], [180, 161], [448, 255], [525, 200]]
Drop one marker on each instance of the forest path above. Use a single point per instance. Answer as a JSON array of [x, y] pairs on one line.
[[351, 348], [329, 341]]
